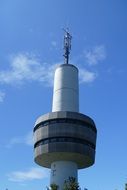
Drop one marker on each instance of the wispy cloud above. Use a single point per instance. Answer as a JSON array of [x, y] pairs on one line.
[[29, 139], [2, 96], [86, 76], [28, 175], [25, 67], [54, 43], [26, 139], [95, 55]]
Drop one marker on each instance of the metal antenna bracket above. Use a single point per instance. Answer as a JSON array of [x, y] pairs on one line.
[[67, 46]]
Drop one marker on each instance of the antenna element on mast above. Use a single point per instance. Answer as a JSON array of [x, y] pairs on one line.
[[67, 46]]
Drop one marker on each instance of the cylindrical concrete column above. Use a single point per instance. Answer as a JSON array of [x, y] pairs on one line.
[[61, 171], [65, 98], [66, 89]]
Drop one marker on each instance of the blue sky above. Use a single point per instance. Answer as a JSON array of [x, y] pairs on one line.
[[31, 46]]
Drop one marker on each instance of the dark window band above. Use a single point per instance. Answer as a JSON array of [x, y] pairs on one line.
[[64, 139], [66, 120]]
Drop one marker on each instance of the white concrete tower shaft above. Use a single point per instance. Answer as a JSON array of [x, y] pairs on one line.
[[66, 89], [61, 171], [65, 98]]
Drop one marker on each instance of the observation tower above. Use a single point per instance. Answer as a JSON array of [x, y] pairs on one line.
[[65, 139]]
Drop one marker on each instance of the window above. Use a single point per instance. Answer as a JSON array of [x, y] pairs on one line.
[[64, 139], [65, 120]]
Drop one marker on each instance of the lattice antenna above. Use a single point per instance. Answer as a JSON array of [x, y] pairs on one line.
[[67, 46]]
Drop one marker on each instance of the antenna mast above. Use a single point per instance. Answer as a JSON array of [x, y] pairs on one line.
[[67, 46]]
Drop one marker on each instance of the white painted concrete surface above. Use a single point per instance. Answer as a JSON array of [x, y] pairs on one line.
[[61, 171], [65, 98], [66, 89]]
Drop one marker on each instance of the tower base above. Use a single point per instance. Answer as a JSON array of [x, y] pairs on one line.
[[61, 171]]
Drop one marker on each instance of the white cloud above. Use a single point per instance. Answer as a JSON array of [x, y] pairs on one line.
[[86, 76], [95, 55], [29, 139], [31, 174], [54, 43], [26, 139], [25, 67], [2, 96]]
